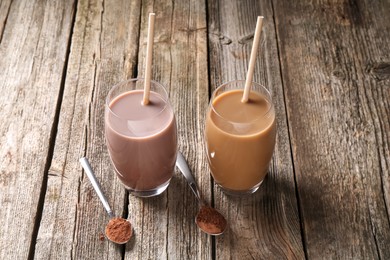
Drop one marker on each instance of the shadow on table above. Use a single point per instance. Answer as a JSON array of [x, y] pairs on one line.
[[268, 219]]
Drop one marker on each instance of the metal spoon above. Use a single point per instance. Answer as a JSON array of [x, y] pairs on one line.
[[91, 176], [208, 219]]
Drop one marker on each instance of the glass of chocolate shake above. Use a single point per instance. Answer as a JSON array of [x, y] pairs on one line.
[[240, 137], [141, 139]]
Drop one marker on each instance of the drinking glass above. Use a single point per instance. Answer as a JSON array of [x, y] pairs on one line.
[[141, 139], [240, 137]]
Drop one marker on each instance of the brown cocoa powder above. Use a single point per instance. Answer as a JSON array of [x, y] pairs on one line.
[[118, 230], [210, 220]]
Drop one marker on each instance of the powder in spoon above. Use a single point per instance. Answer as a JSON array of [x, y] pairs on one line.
[[118, 230], [210, 220]]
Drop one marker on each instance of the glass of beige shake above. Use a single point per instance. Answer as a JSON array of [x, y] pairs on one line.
[[141, 139], [240, 136]]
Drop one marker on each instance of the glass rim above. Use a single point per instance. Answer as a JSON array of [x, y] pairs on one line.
[[265, 114], [107, 103]]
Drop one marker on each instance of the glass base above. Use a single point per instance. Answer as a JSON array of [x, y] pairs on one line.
[[240, 192], [149, 193]]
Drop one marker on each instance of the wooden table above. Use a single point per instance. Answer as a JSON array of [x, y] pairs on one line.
[[327, 64]]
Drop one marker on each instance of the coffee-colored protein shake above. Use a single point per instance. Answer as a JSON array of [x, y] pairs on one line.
[[240, 139], [142, 149]]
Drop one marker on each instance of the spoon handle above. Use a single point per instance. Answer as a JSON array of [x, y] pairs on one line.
[[181, 163], [91, 176]]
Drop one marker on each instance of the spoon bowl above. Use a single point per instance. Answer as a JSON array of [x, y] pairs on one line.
[[116, 224], [208, 219]]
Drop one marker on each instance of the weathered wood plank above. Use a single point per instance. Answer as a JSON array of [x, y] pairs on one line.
[[165, 225], [266, 224], [104, 51], [5, 7], [33, 53], [335, 58]]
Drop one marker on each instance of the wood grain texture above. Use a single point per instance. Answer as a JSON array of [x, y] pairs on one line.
[[165, 227], [5, 7], [103, 52], [335, 58], [33, 51], [264, 225]]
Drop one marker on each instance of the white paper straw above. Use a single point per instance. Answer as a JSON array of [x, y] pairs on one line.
[[149, 56], [252, 61]]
